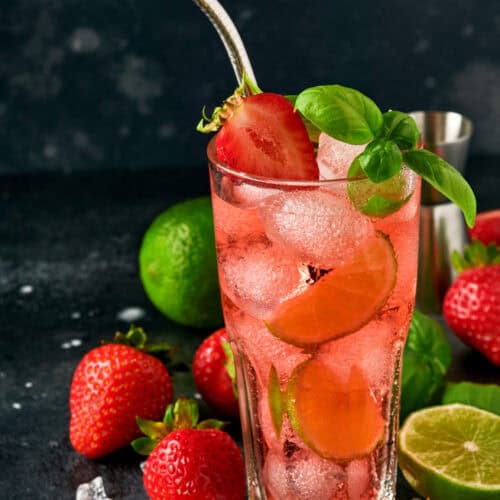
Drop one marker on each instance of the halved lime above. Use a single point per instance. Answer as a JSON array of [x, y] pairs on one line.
[[452, 452]]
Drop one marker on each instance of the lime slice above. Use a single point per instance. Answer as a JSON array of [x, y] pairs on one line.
[[342, 301], [378, 200], [452, 452], [338, 419]]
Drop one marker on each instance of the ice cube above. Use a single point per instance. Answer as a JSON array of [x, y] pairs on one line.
[[295, 473], [320, 226], [358, 479], [232, 223], [257, 275], [335, 157], [371, 349], [94, 490], [261, 347]]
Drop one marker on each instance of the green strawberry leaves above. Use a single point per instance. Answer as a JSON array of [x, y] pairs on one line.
[[476, 254], [426, 359], [183, 414], [349, 116]]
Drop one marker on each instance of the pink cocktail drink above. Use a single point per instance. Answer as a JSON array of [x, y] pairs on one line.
[[317, 299]]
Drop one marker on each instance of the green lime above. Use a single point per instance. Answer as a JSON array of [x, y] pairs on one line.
[[377, 199], [452, 452], [178, 265]]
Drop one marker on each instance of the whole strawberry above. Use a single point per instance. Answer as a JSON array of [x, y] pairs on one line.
[[111, 386], [214, 374], [487, 227], [190, 460], [471, 306]]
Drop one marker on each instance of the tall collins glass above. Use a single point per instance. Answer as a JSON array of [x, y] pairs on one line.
[[317, 301]]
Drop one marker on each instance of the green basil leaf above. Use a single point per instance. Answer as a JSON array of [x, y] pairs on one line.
[[445, 178], [401, 128], [341, 112], [381, 160], [312, 130], [484, 396], [426, 359]]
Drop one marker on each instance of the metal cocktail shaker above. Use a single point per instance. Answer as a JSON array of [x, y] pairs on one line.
[[442, 227]]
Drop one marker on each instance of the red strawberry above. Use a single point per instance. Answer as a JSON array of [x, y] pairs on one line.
[[262, 135], [190, 459], [213, 372], [487, 228], [112, 385], [471, 306]]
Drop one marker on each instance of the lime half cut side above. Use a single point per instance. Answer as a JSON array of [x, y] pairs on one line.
[[452, 452]]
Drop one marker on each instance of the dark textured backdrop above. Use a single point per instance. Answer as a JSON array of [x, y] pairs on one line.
[[120, 83]]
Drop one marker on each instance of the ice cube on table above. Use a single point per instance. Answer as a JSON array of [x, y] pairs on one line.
[[335, 157], [321, 227], [257, 275], [302, 474], [94, 490]]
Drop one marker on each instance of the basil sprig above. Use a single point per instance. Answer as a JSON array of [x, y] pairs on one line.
[[349, 116]]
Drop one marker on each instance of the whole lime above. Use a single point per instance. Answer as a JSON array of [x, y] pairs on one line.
[[178, 265]]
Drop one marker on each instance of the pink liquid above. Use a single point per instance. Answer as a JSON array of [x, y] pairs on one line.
[[273, 245]]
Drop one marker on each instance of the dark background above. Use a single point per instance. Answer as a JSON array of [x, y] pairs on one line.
[[121, 83]]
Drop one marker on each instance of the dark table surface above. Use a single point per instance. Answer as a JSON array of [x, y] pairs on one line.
[[68, 272]]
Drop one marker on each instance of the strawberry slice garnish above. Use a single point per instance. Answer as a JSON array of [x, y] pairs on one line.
[[262, 135]]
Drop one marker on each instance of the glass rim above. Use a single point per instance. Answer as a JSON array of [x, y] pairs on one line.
[[270, 181]]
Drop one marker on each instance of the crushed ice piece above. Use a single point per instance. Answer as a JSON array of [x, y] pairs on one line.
[[335, 157], [17, 406], [92, 491], [130, 314], [320, 227], [26, 290], [142, 464], [28, 385], [197, 395], [66, 345], [75, 315], [253, 271]]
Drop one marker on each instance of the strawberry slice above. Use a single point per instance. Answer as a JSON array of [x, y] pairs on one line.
[[262, 135]]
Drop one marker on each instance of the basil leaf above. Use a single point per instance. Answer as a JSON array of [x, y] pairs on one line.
[[312, 130], [426, 359], [341, 112], [381, 160], [445, 178], [401, 128], [486, 397]]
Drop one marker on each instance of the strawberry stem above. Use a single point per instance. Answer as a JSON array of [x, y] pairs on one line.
[[183, 414], [222, 113], [475, 255]]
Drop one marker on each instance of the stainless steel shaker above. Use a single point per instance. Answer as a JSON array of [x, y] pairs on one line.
[[442, 227]]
